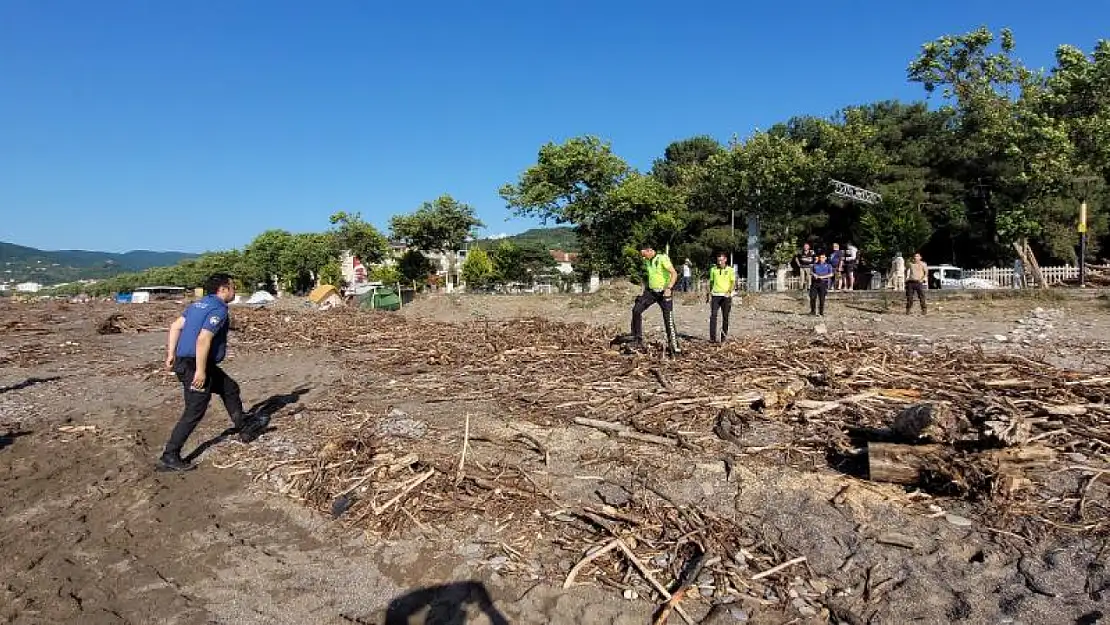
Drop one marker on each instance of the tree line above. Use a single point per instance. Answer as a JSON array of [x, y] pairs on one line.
[[296, 262], [1007, 154]]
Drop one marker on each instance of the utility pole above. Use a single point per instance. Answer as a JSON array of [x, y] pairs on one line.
[[753, 247], [732, 245]]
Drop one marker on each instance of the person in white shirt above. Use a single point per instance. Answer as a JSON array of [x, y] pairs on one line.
[[684, 283], [851, 261]]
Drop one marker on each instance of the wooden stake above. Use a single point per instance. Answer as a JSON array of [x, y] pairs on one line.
[[776, 569], [466, 445]]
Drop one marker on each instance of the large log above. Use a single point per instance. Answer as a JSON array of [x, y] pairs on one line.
[[903, 464]]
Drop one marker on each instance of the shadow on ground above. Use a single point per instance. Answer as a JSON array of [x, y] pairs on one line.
[[27, 383], [9, 438], [264, 410], [446, 604]]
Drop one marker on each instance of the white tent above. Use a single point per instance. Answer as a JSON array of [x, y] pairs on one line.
[[260, 297]]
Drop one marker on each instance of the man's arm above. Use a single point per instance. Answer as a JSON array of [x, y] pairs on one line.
[[674, 278], [204, 346], [171, 341]]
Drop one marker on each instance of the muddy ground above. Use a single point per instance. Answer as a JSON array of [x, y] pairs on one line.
[[90, 533]]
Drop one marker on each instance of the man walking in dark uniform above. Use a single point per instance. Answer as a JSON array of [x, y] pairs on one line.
[[822, 278], [658, 282], [196, 345]]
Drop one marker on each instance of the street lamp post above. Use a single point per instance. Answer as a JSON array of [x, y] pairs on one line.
[[1083, 186], [732, 245]]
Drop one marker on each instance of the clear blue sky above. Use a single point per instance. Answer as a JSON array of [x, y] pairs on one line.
[[196, 124]]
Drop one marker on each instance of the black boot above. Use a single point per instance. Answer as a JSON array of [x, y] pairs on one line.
[[174, 462]]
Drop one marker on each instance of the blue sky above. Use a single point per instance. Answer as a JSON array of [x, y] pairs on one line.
[[196, 125]]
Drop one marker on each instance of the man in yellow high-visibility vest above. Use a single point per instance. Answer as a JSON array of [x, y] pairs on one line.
[[722, 288], [660, 277]]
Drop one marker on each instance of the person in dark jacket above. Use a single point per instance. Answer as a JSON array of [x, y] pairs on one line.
[[822, 277], [195, 348]]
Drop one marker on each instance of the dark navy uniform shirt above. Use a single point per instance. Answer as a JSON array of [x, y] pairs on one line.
[[208, 313]]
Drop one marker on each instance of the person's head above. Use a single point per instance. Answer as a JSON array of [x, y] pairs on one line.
[[917, 257], [805, 246], [647, 251], [221, 285], [821, 257], [836, 246], [722, 260]]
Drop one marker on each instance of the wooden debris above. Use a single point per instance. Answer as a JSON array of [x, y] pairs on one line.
[[625, 431], [773, 395], [933, 422], [917, 464]]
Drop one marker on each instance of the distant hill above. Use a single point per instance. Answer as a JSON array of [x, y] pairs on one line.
[[560, 238], [27, 264]]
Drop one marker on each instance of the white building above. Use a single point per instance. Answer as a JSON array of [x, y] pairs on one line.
[[28, 287], [564, 261]]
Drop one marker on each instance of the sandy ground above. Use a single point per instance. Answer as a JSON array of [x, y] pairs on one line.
[[91, 533]]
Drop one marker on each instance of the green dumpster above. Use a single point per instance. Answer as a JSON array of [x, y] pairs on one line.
[[381, 298]]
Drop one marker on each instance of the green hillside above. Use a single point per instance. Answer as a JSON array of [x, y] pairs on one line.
[[560, 238], [22, 264]]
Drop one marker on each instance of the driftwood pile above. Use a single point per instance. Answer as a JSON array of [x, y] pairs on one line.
[[958, 421], [1020, 444]]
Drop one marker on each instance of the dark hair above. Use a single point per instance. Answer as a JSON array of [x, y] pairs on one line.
[[215, 281]]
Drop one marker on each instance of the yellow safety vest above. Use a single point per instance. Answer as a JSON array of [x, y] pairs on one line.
[[721, 281], [658, 270]]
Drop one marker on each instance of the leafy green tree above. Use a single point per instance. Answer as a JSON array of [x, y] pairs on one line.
[[682, 158], [437, 226], [386, 274], [332, 273], [477, 269], [520, 263], [359, 237], [264, 253], [415, 266], [1001, 127], [303, 257], [582, 182], [569, 183]]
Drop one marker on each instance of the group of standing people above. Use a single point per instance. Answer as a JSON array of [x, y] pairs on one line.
[[820, 274], [842, 262]]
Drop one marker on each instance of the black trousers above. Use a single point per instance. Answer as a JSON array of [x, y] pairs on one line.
[[914, 287], [722, 303], [196, 402], [818, 290], [646, 300]]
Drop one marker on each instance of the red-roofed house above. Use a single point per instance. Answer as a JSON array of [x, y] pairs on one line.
[[564, 260]]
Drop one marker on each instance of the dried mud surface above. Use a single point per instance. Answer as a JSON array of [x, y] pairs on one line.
[[91, 533]]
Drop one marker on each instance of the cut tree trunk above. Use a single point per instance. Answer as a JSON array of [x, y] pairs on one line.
[[903, 464]]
